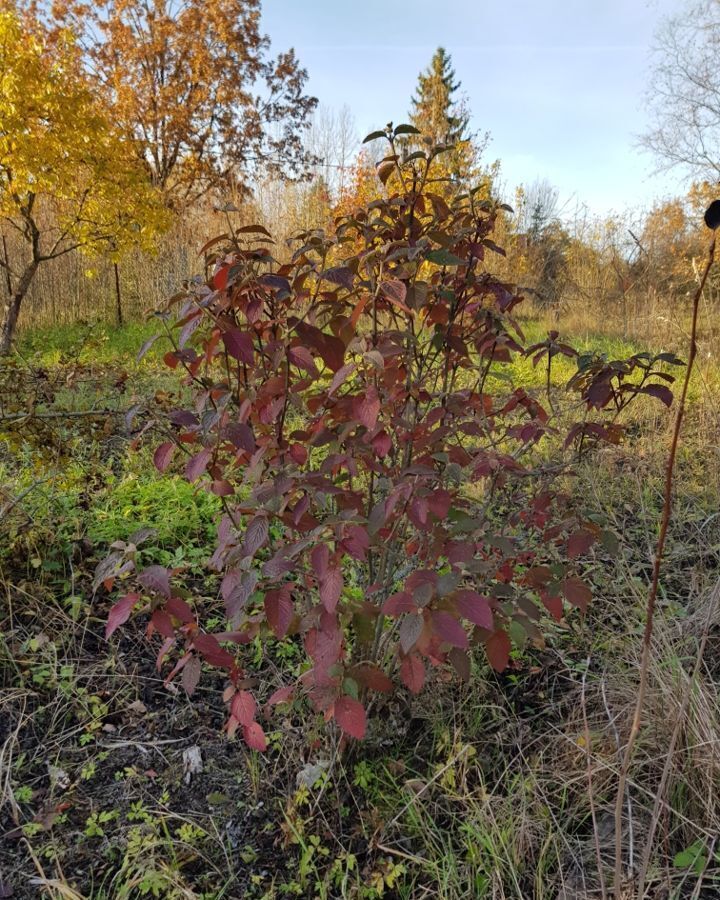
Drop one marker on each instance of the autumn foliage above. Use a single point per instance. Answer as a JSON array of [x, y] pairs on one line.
[[69, 180], [387, 500], [194, 86]]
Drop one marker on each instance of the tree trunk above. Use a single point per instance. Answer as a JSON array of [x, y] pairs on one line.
[[6, 260], [12, 309]]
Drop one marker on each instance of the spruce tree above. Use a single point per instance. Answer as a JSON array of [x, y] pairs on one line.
[[435, 111], [439, 112]]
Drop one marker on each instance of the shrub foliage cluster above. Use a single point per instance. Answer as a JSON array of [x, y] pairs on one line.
[[387, 497]]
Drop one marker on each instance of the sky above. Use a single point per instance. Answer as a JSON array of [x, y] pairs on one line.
[[559, 84]]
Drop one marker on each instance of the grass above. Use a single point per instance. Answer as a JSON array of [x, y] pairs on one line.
[[475, 790], [98, 343]]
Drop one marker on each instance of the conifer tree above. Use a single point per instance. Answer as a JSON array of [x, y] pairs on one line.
[[435, 111], [441, 113]]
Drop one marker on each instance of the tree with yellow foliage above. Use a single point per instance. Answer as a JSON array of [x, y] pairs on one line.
[[194, 86], [68, 179]]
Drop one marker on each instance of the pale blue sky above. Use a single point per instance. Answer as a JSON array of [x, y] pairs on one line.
[[558, 83]]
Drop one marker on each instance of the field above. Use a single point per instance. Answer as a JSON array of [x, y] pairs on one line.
[[114, 785]]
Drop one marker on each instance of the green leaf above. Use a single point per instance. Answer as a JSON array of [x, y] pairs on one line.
[[406, 129], [610, 542], [444, 258], [669, 358], [373, 136], [693, 857]]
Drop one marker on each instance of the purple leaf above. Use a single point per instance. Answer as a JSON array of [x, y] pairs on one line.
[[156, 579], [197, 464], [239, 345]]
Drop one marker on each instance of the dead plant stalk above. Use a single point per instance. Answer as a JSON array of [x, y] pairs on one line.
[[652, 595]]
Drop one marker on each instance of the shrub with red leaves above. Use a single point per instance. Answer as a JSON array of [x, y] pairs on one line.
[[385, 500]]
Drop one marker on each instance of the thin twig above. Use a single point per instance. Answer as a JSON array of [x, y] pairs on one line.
[[652, 596], [14, 501]]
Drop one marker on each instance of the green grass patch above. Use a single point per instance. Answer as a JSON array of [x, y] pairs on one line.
[[180, 514], [98, 343]]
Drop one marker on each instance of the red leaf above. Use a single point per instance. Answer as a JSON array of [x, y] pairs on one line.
[[553, 605], [239, 345], [303, 359], [236, 593], [498, 648], [220, 278], [412, 673], [146, 346], [372, 677], [579, 543], [460, 551], [254, 737], [399, 603], [350, 716], [449, 630], [324, 647], [367, 408], [281, 695], [180, 609], [356, 541], [163, 455], [243, 707], [279, 611], [166, 647], [298, 454], [394, 291], [475, 608], [170, 359], [341, 275], [340, 376], [330, 348], [191, 674], [278, 565], [439, 503], [256, 534], [255, 229], [382, 443], [576, 592], [331, 585], [161, 622], [211, 243], [319, 559], [211, 650], [538, 576], [120, 613], [197, 464], [240, 436], [358, 311]]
